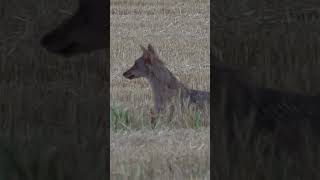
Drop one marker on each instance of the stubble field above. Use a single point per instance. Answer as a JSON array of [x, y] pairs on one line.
[[175, 149]]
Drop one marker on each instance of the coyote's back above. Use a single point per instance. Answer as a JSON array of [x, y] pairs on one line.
[[199, 98]]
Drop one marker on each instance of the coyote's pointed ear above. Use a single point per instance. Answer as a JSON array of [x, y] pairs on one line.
[[146, 55], [151, 49]]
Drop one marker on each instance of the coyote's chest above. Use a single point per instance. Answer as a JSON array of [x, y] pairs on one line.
[[163, 95]]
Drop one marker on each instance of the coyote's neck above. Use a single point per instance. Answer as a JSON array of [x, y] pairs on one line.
[[164, 86]]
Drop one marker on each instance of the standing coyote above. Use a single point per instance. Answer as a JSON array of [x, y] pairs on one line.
[[165, 86], [85, 31]]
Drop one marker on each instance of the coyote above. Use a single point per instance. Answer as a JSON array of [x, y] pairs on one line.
[[165, 86], [85, 31]]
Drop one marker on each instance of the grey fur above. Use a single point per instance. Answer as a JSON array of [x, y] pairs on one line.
[[165, 86]]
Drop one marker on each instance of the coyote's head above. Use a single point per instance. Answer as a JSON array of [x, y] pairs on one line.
[[143, 66], [85, 31]]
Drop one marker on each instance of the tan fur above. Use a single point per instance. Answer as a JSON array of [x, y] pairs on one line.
[[166, 88]]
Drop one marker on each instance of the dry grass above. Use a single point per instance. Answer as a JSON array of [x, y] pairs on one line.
[[179, 31], [160, 154]]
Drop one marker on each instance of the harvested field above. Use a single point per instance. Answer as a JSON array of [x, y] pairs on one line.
[[179, 32]]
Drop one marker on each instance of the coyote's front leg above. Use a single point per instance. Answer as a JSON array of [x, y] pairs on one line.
[[153, 115]]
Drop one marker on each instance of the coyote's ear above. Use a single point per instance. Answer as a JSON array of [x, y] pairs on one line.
[[151, 49]]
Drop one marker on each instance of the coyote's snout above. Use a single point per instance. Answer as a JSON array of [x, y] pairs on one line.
[[142, 66], [165, 86], [84, 32], [139, 69]]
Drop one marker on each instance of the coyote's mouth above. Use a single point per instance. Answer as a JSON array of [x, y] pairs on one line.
[[131, 76], [128, 75]]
